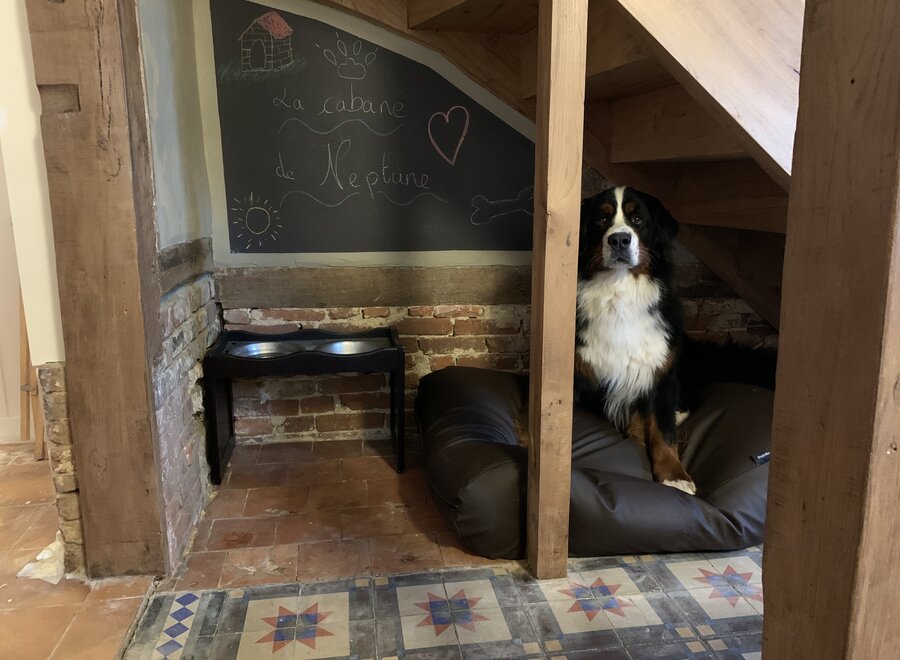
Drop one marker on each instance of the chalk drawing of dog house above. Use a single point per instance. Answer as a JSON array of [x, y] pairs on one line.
[[266, 44]]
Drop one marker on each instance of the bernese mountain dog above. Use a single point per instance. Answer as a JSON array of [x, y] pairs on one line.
[[632, 359]]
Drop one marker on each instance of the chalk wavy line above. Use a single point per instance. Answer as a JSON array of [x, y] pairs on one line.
[[442, 201], [332, 130], [317, 200]]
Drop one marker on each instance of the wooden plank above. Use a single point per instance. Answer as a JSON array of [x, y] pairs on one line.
[[619, 63], [562, 42], [740, 60], [498, 16], [37, 417], [106, 275], [666, 124], [24, 377], [833, 532], [343, 286], [183, 262]]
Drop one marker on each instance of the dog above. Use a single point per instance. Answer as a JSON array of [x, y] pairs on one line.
[[629, 331]]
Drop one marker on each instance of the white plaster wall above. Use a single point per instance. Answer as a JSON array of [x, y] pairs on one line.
[[9, 322], [176, 133], [24, 199]]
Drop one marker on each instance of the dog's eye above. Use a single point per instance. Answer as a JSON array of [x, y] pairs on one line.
[[602, 220], [636, 220]]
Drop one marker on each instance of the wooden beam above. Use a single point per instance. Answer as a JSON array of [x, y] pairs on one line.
[[499, 16], [557, 200], [98, 176], [619, 63], [833, 532], [740, 60], [666, 124], [347, 286]]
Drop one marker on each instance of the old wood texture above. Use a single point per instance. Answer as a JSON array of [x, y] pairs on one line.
[[740, 60], [101, 203], [833, 534], [557, 199], [372, 285], [183, 262], [501, 16]]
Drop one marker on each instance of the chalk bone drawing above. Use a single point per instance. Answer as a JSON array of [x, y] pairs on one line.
[[349, 67], [451, 126], [266, 44], [486, 210]]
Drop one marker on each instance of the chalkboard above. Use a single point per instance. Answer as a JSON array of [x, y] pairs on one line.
[[334, 144]]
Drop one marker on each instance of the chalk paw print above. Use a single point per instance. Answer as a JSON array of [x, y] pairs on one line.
[[350, 62]]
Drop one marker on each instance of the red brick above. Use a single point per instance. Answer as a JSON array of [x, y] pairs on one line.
[[444, 345], [421, 311], [425, 327], [410, 344], [237, 316], [277, 329], [368, 401], [490, 361], [442, 362], [362, 383], [376, 312], [317, 404], [292, 314], [298, 425], [349, 422], [250, 408], [340, 313], [245, 389], [284, 407], [249, 426], [458, 311], [338, 327], [480, 327], [507, 344]]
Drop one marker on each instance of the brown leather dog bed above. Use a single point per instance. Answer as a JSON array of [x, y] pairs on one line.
[[476, 471]]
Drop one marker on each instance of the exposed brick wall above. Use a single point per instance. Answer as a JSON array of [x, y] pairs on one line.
[[190, 324], [52, 379], [332, 407]]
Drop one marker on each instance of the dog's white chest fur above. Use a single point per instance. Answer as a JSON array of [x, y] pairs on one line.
[[625, 337]]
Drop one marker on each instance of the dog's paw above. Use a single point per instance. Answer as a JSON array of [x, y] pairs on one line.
[[682, 484], [681, 416]]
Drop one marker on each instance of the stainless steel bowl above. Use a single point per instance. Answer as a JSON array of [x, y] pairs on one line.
[[353, 346], [268, 349]]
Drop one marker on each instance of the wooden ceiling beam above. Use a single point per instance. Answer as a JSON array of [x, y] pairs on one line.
[[498, 16]]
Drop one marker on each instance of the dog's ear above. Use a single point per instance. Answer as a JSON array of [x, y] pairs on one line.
[[668, 226]]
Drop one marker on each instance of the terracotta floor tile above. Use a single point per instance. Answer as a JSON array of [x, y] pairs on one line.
[[204, 569], [97, 630], [231, 533], [15, 521], [284, 474], [9, 451], [406, 553], [308, 527], [406, 488], [338, 448], [202, 535], [227, 503], [333, 560], [286, 452], [379, 448], [383, 520], [115, 588], [27, 592], [33, 632], [244, 454], [425, 517], [367, 467], [456, 556], [42, 531], [26, 484], [260, 566], [275, 501], [340, 495]]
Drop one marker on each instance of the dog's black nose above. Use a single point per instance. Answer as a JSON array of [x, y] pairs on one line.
[[619, 241]]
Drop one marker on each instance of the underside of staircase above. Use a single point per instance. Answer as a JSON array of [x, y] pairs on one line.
[[691, 101]]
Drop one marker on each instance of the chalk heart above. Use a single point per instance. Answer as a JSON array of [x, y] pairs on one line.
[[447, 132]]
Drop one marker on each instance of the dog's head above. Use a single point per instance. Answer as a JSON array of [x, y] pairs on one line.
[[626, 229]]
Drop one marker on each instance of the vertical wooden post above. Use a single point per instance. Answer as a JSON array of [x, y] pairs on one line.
[[832, 560], [562, 38]]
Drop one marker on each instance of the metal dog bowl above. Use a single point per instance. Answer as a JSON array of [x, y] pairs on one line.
[[267, 349], [353, 346]]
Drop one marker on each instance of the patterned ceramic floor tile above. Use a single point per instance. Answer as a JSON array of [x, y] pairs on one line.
[[428, 630]]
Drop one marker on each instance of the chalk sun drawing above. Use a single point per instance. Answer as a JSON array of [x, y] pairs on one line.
[[486, 210], [457, 133], [346, 61], [346, 121], [256, 220]]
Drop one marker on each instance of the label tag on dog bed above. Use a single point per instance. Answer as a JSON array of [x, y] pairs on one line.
[[761, 457]]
